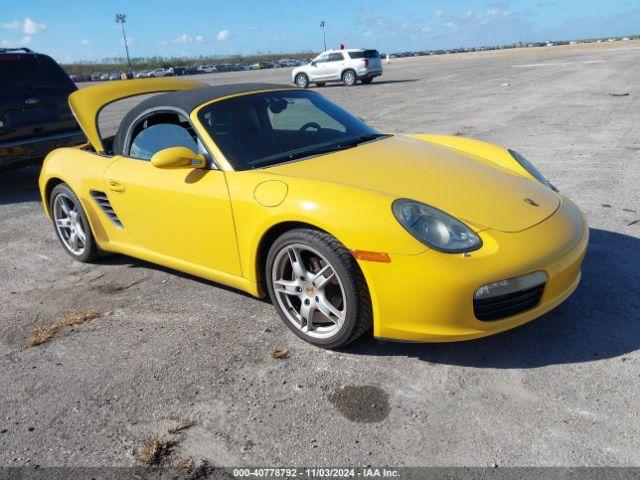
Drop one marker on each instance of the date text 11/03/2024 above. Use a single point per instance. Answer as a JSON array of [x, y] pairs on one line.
[[369, 472]]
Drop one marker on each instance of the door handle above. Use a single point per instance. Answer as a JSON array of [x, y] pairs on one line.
[[115, 186]]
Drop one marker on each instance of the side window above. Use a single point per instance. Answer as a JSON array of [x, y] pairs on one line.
[[336, 57], [160, 136], [322, 59]]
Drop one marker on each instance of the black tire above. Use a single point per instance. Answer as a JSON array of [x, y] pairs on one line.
[[320, 84], [367, 81], [349, 78], [357, 303], [91, 250], [302, 80]]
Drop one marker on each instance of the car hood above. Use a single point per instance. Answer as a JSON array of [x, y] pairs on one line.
[[470, 188]]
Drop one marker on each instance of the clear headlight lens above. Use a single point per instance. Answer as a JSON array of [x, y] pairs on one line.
[[435, 228], [529, 167]]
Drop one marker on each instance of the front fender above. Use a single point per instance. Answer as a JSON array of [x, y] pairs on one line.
[[484, 151], [360, 219]]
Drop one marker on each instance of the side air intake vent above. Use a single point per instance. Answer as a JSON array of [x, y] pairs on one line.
[[103, 202]]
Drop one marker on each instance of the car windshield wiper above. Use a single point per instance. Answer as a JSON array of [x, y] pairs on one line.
[[364, 139], [295, 155]]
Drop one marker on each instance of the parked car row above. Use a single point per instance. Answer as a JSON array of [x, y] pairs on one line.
[[546, 43], [186, 70]]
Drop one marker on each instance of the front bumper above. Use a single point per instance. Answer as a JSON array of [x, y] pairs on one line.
[[429, 297]]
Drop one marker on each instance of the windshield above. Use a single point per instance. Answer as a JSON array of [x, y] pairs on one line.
[[32, 75], [263, 129]]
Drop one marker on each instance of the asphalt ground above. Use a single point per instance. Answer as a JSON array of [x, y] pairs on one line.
[[560, 391]]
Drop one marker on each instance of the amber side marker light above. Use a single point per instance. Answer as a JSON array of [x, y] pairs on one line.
[[371, 256]]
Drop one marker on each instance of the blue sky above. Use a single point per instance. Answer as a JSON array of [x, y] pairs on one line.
[[86, 29]]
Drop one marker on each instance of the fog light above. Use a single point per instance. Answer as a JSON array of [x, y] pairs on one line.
[[510, 285]]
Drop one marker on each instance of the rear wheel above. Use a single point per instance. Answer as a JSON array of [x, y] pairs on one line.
[[71, 224], [349, 78], [302, 80], [318, 288]]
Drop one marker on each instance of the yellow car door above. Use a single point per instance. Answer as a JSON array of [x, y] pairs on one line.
[[180, 213]]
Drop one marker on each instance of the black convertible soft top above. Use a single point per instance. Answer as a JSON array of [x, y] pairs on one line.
[[187, 101]]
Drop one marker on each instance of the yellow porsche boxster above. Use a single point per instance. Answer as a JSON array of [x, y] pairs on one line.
[[276, 191]]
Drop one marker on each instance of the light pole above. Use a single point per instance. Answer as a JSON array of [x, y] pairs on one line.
[[324, 35], [121, 18]]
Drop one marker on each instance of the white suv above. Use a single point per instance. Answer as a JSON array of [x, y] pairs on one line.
[[347, 66], [158, 72]]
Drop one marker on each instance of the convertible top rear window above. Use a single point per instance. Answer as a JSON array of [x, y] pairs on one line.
[[264, 129]]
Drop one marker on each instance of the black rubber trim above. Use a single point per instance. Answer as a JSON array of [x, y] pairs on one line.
[[503, 306]]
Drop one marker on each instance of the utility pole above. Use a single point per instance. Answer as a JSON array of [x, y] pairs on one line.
[[121, 18], [324, 35]]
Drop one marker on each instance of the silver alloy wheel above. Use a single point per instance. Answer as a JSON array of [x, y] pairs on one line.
[[302, 82], [309, 291], [350, 78], [69, 224]]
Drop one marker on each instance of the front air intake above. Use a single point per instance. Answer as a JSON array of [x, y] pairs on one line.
[[502, 306], [103, 202]]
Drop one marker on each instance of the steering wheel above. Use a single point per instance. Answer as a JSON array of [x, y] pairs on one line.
[[309, 125], [305, 129]]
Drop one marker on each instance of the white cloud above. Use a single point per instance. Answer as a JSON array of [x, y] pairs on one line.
[[85, 41], [223, 35], [129, 41], [439, 13], [367, 34], [11, 26], [31, 27], [253, 28], [11, 43], [184, 38]]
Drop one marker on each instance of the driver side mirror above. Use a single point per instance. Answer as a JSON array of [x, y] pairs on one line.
[[313, 64], [176, 157]]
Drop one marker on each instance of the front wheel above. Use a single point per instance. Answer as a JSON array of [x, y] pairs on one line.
[[302, 80], [318, 288], [349, 78], [71, 224]]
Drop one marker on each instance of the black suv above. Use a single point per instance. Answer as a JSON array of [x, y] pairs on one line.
[[34, 114]]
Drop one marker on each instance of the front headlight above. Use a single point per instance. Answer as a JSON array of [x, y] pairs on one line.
[[435, 228], [529, 167]]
